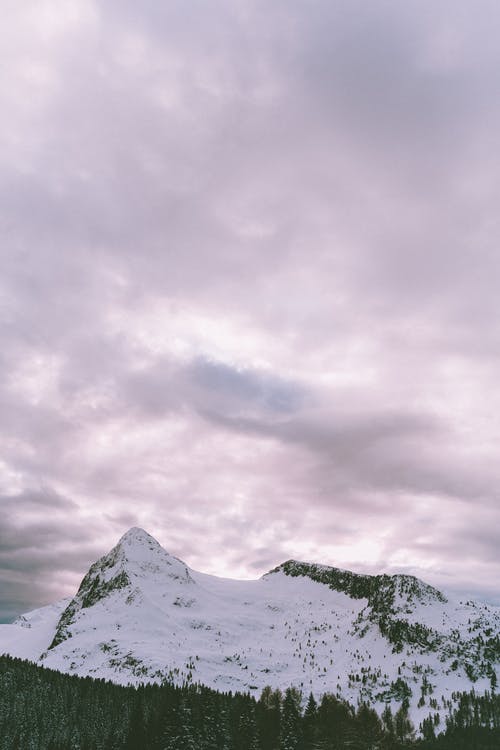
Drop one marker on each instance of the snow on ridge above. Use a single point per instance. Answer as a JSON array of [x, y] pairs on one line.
[[364, 585]]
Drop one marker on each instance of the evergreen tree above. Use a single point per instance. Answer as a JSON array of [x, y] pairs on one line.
[[247, 727], [427, 728], [223, 736], [136, 736], [182, 735], [367, 729], [291, 720], [269, 718], [309, 724], [388, 720], [334, 719], [170, 726], [209, 724], [403, 727]]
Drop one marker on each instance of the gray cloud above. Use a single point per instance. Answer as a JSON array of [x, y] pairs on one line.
[[248, 293], [38, 531], [169, 385]]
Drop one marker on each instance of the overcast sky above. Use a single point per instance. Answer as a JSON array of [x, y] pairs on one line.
[[249, 288]]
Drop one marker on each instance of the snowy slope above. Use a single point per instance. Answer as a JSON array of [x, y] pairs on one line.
[[141, 614]]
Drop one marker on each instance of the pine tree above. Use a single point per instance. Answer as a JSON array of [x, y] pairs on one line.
[[269, 718], [367, 728], [427, 728], [223, 732], [389, 733], [309, 724], [403, 727], [136, 736], [334, 719], [210, 721], [247, 727], [388, 720], [183, 735], [291, 720]]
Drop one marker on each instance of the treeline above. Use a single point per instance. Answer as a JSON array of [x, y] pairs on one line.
[[41, 709]]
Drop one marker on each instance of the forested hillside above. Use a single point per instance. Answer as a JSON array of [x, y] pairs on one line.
[[41, 709]]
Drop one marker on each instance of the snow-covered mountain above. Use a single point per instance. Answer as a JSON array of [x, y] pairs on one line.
[[141, 614]]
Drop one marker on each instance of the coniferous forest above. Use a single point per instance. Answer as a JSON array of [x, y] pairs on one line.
[[41, 709]]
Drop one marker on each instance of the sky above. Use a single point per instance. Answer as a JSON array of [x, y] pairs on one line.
[[249, 287]]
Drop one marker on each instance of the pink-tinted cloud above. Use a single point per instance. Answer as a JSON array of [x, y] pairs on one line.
[[248, 296]]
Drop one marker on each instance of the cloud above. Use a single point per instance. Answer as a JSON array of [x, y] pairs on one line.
[[248, 294], [39, 530], [169, 386]]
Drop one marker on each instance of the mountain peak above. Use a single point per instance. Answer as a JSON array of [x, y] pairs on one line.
[[136, 535], [137, 566], [140, 550], [136, 532]]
